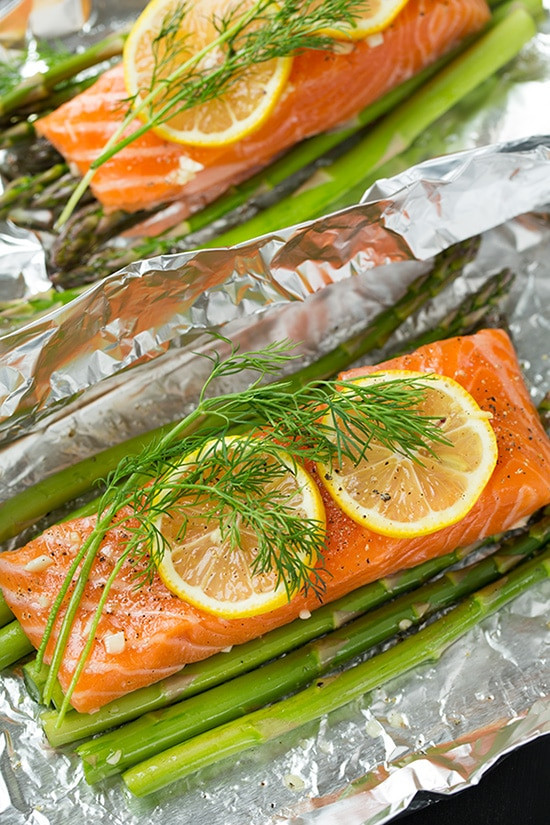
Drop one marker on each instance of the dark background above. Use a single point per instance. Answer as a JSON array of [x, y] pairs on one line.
[[515, 791]]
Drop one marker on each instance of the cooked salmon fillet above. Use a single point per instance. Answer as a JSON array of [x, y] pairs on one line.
[[323, 90], [162, 633]]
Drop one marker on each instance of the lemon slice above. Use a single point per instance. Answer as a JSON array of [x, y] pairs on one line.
[[376, 16], [205, 568], [397, 496], [149, 57]]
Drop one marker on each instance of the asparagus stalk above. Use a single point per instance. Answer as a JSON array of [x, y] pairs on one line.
[[39, 86], [330, 693], [13, 644], [85, 231], [465, 317], [52, 492], [56, 97], [5, 613], [18, 312], [17, 134], [201, 676], [397, 131], [21, 191], [154, 732], [35, 678]]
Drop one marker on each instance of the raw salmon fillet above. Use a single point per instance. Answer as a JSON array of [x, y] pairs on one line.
[[162, 632], [323, 90]]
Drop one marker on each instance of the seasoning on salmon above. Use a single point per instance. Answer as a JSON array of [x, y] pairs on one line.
[[323, 90], [144, 635]]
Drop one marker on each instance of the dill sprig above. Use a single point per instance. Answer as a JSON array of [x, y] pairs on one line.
[[269, 29], [235, 483]]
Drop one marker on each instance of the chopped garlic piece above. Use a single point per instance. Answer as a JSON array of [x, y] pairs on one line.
[[38, 564], [374, 728], [187, 170], [114, 642], [114, 758], [293, 782], [397, 719], [305, 614], [375, 40]]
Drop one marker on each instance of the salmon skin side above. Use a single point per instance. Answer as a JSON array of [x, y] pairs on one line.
[[162, 633], [323, 90]]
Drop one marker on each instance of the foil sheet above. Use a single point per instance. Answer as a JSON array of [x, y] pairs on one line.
[[70, 387]]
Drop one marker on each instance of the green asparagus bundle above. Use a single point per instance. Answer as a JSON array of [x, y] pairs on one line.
[[329, 693], [202, 676], [155, 732]]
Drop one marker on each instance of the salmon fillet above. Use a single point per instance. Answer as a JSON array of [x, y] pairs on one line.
[[323, 90], [162, 632]]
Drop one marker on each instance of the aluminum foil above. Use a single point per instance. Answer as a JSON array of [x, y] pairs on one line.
[[103, 369]]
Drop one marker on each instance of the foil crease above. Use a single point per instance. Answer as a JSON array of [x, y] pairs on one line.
[[126, 357]]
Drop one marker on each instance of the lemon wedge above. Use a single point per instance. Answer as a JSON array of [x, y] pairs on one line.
[[151, 54], [400, 497], [205, 567]]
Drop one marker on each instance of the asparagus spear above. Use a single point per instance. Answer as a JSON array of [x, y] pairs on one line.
[[13, 644], [154, 732], [396, 132], [21, 132], [465, 317], [50, 493], [85, 231], [332, 692], [200, 676], [39, 86], [56, 97], [5, 613], [21, 191], [35, 679]]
